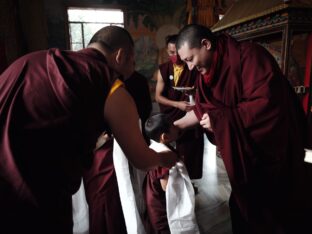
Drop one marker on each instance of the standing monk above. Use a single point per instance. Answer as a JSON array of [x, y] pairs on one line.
[[102, 193], [53, 106], [174, 104], [252, 114]]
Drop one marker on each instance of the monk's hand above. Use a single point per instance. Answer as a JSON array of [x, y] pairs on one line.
[[184, 106], [167, 159], [102, 139], [205, 122]]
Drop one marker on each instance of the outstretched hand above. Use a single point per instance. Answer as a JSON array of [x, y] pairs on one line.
[[168, 159]]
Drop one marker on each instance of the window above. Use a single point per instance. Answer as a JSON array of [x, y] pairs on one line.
[[83, 23]]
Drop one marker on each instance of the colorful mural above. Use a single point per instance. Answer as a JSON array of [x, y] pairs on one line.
[[149, 22]]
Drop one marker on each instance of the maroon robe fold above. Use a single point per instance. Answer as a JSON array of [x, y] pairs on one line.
[[258, 126], [137, 86], [191, 143], [105, 211], [156, 215], [51, 113]]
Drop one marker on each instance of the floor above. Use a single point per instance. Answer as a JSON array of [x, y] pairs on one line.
[[212, 210]]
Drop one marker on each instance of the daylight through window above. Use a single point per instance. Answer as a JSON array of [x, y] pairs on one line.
[[83, 23]]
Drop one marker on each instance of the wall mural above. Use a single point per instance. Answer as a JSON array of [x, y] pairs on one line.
[[149, 22]]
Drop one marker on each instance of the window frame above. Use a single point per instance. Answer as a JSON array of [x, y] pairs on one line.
[[89, 7]]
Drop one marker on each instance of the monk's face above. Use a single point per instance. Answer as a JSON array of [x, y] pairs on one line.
[[171, 49], [173, 55], [199, 58]]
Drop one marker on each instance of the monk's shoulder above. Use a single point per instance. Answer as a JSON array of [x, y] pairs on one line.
[[255, 50]]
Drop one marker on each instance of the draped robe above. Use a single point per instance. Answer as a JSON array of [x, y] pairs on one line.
[[51, 113], [258, 126]]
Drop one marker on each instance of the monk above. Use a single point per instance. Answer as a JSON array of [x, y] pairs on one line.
[[174, 104], [252, 114], [53, 106], [102, 193]]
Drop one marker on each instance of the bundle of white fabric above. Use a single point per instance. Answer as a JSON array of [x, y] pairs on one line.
[[180, 197], [308, 155], [80, 212], [180, 201]]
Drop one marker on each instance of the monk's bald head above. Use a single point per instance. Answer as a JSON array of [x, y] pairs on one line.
[[193, 34], [112, 38]]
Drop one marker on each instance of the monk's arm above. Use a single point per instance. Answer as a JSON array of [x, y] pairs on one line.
[[121, 114], [187, 121]]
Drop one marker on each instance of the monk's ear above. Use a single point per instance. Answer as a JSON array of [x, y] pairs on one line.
[[119, 55], [206, 43], [163, 138]]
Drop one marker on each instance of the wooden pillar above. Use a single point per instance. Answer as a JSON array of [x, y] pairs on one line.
[[287, 34]]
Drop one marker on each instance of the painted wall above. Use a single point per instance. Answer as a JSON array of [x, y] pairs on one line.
[[149, 24]]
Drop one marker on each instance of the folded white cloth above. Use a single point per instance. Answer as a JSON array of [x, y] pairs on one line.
[[158, 147], [180, 201], [308, 155], [126, 192], [80, 212]]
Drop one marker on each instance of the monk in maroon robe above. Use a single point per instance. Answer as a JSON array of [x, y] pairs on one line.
[[53, 106], [252, 114], [102, 193], [174, 103]]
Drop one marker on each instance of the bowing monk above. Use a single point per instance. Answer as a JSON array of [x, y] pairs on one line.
[[174, 104], [102, 193], [53, 106], [252, 114]]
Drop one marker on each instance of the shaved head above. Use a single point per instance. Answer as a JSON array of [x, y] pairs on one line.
[[112, 38], [193, 34], [116, 44]]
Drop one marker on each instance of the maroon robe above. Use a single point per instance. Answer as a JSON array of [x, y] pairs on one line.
[[102, 193], [51, 113], [105, 211], [191, 144], [156, 215], [137, 86], [258, 126]]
